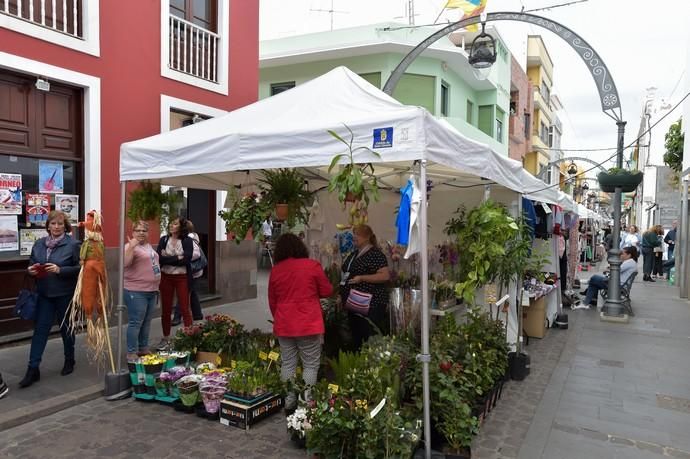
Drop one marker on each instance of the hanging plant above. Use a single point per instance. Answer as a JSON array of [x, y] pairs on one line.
[[353, 182], [616, 177], [482, 235], [285, 187], [149, 203], [246, 214]]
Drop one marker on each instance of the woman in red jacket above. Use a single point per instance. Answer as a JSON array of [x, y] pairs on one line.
[[294, 288]]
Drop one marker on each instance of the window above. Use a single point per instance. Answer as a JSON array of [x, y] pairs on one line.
[[277, 88], [419, 90], [499, 124], [545, 91], [374, 78], [551, 134], [445, 98], [528, 124], [485, 121], [470, 111], [203, 13], [195, 42], [544, 132]]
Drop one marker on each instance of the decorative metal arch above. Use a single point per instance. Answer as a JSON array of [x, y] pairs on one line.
[[571, 158], [608, 94]]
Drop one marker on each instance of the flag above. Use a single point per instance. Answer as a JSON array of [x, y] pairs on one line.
[[469, 7]]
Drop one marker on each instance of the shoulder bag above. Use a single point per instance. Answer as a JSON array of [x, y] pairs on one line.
[[27, 302], [201, 262], [358, 302]]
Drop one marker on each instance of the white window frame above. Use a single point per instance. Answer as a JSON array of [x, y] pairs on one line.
[[92, 116], [90, 43], [169, 103], [223, 55]]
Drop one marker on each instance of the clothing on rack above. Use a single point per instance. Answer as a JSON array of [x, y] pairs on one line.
[[402, 222], [413, 242]]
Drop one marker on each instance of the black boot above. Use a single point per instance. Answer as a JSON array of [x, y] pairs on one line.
[[32, 375], [68, 367]]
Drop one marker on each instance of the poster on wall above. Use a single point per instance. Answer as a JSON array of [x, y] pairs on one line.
[[50, 177], [9, 235], [37, 208], [27, 239], [10, 194], [69, 204]]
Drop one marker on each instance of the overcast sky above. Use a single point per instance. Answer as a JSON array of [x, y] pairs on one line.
[[643, 43]]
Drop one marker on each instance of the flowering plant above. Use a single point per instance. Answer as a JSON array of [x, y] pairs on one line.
[[298, 422], [188, 338]]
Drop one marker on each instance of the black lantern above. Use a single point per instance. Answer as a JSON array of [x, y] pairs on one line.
[[483, 51], [572, 168], [585, 186]]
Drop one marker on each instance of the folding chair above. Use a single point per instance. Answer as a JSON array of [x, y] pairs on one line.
[[625, 294]]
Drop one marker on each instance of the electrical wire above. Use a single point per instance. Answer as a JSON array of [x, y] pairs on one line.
[[598, 165]]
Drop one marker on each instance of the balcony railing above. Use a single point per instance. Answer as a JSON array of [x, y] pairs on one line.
[[193, 49], [64, 16]]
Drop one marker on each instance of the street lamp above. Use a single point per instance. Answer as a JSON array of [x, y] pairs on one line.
[[482, 54], [572, 168]]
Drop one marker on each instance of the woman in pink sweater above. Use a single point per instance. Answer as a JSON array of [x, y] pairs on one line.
[[142, 276]]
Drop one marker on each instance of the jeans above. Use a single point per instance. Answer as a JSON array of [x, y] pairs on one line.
[[140, 306], [48, 310], [596, 282], [309, 350], [648, 261], [174, 284]]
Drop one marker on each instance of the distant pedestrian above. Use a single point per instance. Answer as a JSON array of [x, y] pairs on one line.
[[632, 238], [670, 239], [650, 240], [142, 277], [54, 262]]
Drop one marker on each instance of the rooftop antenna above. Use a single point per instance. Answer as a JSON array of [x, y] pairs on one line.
[[330, 11]]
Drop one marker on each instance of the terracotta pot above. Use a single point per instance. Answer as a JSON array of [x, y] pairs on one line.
[[351, 197], [281, 212]]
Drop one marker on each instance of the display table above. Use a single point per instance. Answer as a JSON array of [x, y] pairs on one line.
[[534, 315]]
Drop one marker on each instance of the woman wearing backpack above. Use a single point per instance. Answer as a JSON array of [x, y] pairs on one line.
[[199, 262]]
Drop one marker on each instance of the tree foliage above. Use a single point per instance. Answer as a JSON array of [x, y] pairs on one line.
[[674, 139]]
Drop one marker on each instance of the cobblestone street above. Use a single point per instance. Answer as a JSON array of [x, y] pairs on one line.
[[132, 429]]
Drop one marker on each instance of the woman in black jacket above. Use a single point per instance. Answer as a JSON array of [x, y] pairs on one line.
[[175, 253], [54, 262]]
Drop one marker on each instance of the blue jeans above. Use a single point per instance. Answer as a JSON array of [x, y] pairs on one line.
[[48, 310], [596, 282], [140, 306]]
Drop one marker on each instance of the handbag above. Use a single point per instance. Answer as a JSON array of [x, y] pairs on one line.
[[200, 263], [27, 303], [358, 302]]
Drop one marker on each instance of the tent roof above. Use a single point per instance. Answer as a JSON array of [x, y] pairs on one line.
[[290, 130]]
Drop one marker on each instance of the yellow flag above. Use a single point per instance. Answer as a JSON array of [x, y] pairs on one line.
[[470, 8]]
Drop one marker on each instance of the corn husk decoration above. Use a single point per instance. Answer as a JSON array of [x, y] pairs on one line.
[[90, 304]]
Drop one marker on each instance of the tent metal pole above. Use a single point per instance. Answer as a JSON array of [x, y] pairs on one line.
[[424, 357], [121, 274]]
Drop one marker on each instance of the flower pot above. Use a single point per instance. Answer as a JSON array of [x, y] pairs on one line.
[[351, 197], [281, 212], [396, 310], [446, 304], [465, 453], [299, 441], [207, 357], [628, 181], [189, 398], [518, 365], [212, 396]]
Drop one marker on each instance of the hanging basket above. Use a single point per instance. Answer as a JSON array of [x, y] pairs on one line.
[[627, 181], [281, 212]]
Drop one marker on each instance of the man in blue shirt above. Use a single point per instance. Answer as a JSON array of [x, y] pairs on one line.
[[598, 282]]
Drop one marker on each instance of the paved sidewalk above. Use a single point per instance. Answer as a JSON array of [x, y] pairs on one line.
[[619, 390], [54, 392]]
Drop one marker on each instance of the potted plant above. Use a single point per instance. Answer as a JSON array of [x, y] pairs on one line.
[[353, 182], [617, 177], [149, 203], [245, 216], [284, 190], [444, 294]]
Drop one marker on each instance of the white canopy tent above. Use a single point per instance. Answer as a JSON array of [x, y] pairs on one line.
[[289, 130]]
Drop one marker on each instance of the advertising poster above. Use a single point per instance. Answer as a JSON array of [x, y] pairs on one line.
[[37, 208], [27, 238], [10, 194], [50, 177], [9, 235], [69, 204]]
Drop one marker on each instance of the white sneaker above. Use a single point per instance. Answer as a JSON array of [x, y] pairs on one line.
[[164, 345], [579, 305]]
